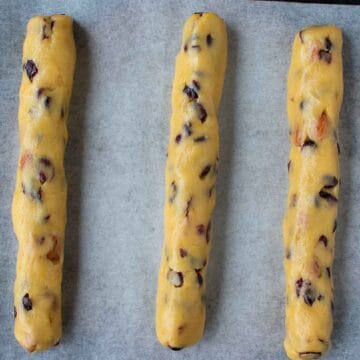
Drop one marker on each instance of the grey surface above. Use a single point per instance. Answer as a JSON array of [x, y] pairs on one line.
[[115, 164]]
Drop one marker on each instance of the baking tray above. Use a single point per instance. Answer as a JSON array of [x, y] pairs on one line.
[[119, 125]]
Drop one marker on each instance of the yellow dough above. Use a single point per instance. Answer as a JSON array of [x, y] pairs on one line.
[[191, 171], [39, 204], [315, 91]]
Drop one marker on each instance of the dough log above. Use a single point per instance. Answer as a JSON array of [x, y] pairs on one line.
[[315, 91], [39, 203], [191, 171]]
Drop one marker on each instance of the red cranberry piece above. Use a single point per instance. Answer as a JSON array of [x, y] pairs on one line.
[[205, 171], [31, 69], [27, 303], [191, 93]]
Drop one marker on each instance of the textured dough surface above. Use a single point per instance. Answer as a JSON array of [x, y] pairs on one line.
[[190, 179], [315, 91], [39, 203]]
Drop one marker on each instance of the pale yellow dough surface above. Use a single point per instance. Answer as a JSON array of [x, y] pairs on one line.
[[315, 91], [39, 203], [191, 171]]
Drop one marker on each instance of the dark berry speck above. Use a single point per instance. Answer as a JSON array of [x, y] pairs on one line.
[[205, 171], [200, 229], [196, 84], [183, 252], [201, 112], [298, 286], [42, 177], [27, 303], [31, 69], [190, 92], [324, 240], [209, 39], [200, 139], [47, 101]]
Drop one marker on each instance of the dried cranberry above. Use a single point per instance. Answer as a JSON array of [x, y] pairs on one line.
[[183, 252], [174, 191], [178, 138], [42, 177], [196, 84], [40, 92], [27, 303], [188, 129], [188, 205], [31, 69], [200, 229], [298, 286], [324, 240], [47, 101], [209, 39], [309, 293], [201, 112], [190, 92], [205, 171], [45, 161], [15, 312], [200, 139]]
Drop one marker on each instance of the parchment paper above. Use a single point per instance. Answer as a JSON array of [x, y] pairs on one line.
[[115, 167]]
